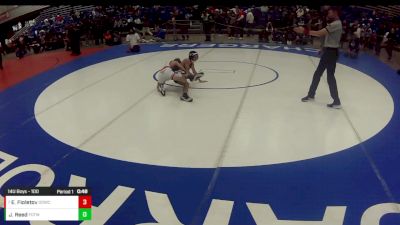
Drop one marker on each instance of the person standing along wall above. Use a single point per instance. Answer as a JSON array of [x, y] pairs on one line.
[[232, 23], [250, 22], [389, 43], [207, 24], [380, 33], [75, 37], [174, 31], [240, 23]]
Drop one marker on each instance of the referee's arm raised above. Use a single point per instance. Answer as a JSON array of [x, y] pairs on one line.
[[316, 33], [319, 33]]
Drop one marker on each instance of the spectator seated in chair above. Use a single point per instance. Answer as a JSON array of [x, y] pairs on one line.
[[117, 38], [159, 34], [354, 48], [133, 39], [108, 38], [35, 46], [21, 47]]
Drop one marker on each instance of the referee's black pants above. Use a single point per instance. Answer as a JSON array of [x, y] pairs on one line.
[[328, 62]]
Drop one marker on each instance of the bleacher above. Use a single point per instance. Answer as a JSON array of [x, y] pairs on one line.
[[392, 11], [63, 10]]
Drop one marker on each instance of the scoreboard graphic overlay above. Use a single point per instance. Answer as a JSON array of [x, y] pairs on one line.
[[360, 185], [62, 204]]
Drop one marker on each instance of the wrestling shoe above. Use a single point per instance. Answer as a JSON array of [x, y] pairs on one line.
[[334, 105], [186, 98], [307, 99], [190, 77], [198, 76], [160, 88]]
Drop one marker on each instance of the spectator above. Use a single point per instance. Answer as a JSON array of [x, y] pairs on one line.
[[146, 26], [270, 30], [265, 34], [77, 14], [7, 46], [240, 23], [133, 38], [264, 10], [290, 36], [356, 31], [379, 38], [367, 38], [174, 28], [36, 46], [207, 24], [138, 24], [117, 38], [108, 38], [89, 37], [98, 30], [389, 42], [118, 23], [343, 39], [75, 36], [21, 47], [250, 22], [159, 33], [232, 23], [185, 26], [354, 43], [120, 19], [219, 21], [67, 41], [353, 49]]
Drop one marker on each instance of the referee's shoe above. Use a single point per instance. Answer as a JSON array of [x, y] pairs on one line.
[[307, 99], [335, 105]]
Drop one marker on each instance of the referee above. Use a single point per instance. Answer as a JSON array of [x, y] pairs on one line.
[[330, 53]]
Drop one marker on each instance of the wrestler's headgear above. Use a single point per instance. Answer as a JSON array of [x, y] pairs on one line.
[[193, 55]]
